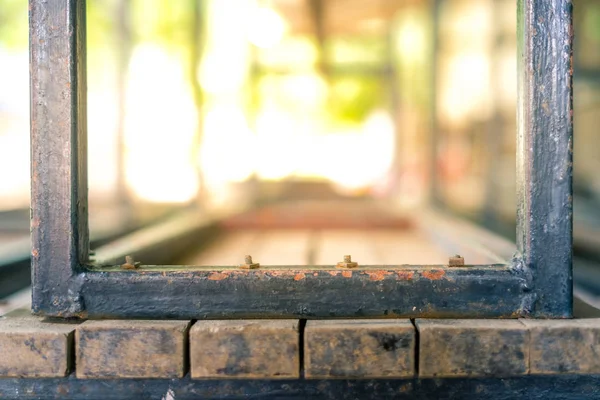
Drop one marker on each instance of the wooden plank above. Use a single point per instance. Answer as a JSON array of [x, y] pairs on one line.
[[359, 349], [131, 349], [472, 348], [245, 349], [396, 247], [282, 247], [229, 250], [32, 347], [334, 244]]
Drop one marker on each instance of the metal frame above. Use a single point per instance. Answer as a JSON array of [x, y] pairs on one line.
[[537, 283], [533, 387]]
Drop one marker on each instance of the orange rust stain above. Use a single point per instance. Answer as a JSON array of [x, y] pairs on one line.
[[35, 253], [299, 276], [347, 274], [377, 275], [434, 275], [218, 276], [316, 274], [406, 275], [333, 273], [281, 273]]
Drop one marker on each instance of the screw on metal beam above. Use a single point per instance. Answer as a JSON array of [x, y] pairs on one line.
[[347, 263], [456, 261], [249, 264], [130, 263]]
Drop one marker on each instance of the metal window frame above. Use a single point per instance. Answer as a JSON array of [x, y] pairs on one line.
[[536, 283]]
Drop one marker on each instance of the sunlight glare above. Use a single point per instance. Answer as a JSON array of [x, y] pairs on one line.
[[159, 128]]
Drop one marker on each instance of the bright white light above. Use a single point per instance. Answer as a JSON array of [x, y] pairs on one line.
[[265, 27], [159, 128], [277, 156], [227, 153], [364, 157], [308, 89], [465, 87]]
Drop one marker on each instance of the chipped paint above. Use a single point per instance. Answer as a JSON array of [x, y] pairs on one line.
[[218, 276], [405, 275], [434, 275], [377, 275]]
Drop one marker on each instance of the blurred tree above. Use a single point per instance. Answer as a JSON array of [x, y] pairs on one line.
[[14, 24]]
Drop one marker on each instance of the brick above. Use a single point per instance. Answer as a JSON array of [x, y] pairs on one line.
[[131, 349], [359, 349], [31, 347], [564, 346], [472, 348], [251, 349]]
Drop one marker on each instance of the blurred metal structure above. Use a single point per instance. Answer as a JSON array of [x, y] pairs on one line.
[[535, 283]]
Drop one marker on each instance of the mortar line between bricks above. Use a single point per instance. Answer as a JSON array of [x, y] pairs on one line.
[[186, 348], [301, 329], [528, 345], [417, 345]]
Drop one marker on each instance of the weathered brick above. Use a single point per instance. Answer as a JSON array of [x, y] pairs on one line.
[[453, 348], [131, 349], [33, 347], [250, 349], [564, 346], [359, 349]]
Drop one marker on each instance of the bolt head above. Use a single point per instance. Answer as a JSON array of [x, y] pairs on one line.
[[456, 261]]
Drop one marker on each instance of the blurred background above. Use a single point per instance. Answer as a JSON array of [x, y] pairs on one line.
[[217, 102]]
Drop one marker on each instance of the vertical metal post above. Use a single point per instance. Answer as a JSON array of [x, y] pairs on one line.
[[545, 152], [59, 224]]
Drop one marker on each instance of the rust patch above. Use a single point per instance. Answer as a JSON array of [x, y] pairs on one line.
[[278, 274], [299, 276], [347, 274], [434, 275], [316, 274], [377, 275], [35, 253], [406, 275], [218, 276], [333, 273]]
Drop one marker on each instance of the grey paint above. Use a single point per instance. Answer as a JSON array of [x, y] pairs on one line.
[[545, 153], [59, 223], [563, 387], [537, 284]]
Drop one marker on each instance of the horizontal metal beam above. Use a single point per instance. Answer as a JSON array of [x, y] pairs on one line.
[[302, 292], [529, 387]]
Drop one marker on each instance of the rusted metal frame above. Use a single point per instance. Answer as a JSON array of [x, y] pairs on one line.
[[544, 153], [59, 223], [534, 387], [491, 291], [63, 286]]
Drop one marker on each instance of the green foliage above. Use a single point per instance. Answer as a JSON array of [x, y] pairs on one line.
[[351, 99], [164, 21], [592, 22], [14, 24]]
